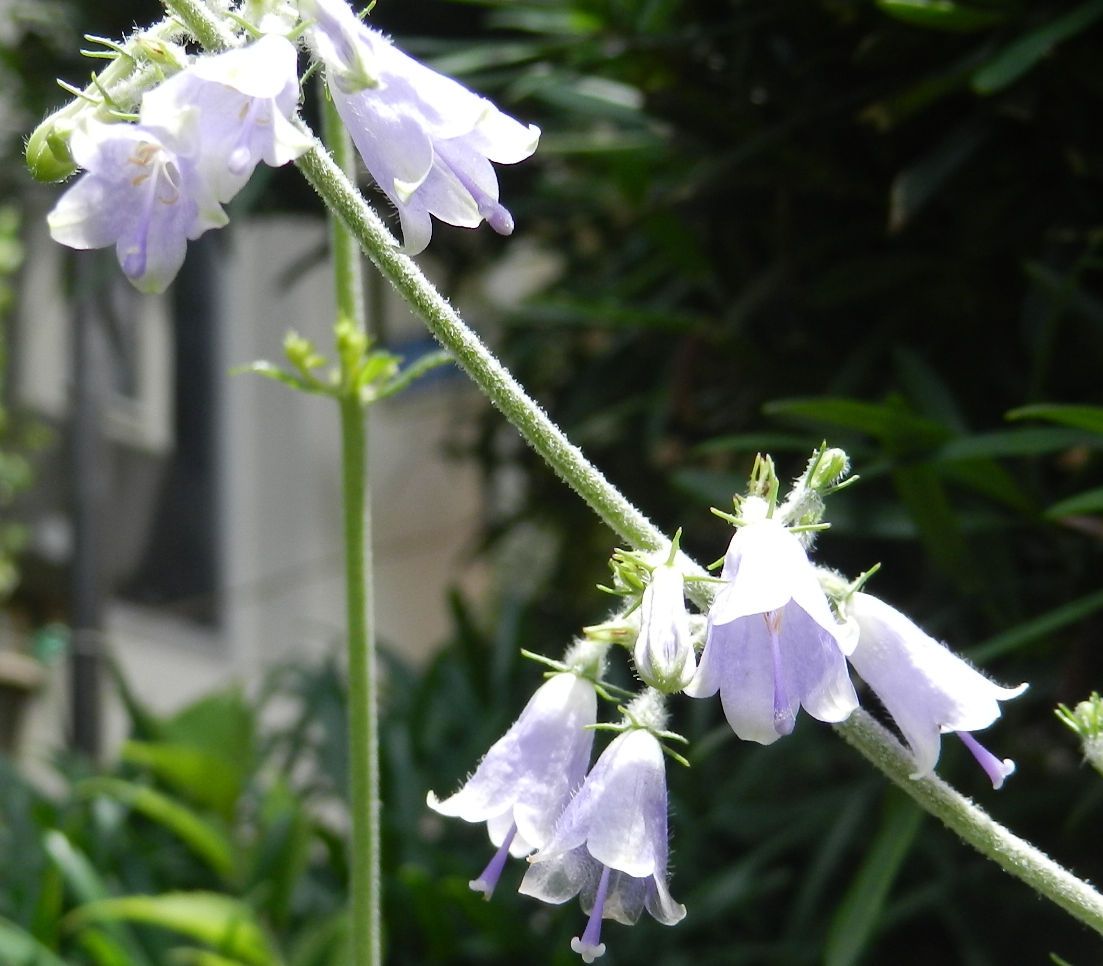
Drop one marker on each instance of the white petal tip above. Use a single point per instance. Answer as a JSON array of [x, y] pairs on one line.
[[1006, 770], [481, 885], [586, 951], [432, 801]]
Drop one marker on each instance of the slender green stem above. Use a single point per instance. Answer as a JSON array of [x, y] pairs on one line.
[[972, 823], [364, 876], [363, 717], [877, 745]]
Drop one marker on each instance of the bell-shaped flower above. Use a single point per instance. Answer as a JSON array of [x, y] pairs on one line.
[[773, 644], [426, 139], [610, 845], [664, 650], [525, 780], [926, 688], [142, 191], [245, 99]]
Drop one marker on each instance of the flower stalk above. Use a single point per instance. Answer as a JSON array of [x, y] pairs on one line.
[[365, 889]]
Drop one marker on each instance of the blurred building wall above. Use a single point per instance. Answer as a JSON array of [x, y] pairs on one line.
[[278, 539]]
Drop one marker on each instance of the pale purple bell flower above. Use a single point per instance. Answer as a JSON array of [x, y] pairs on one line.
[[525, 780], [141, 191], [610, 845], [926, 688], [426, 139], [773, 644], [245, 99], [663, 653]]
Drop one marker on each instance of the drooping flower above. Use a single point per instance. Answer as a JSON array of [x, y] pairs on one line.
[[525, 780], [141, 191], [664, 650], [610, 846], [245, 99], [926, 688], [426, 139], [772, 643]]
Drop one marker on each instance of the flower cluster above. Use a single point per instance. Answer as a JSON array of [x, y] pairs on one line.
[[426, 140], [780, 635], [152, 185], [599, 833]]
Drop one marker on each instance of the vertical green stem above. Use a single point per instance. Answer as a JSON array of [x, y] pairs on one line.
[[364, 877]]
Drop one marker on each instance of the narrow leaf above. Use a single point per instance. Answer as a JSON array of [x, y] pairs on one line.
[[941, 14], [855, 921], [1021, 56], [204, 838], [1039, 627], [1090, 501], [17, 946], [1081, 417], [220, 921]]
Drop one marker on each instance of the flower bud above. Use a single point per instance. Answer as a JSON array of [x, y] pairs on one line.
[[664, 650], [48, 156], [830, 469]]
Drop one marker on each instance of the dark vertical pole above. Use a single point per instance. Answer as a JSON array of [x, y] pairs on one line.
[[89, 486]]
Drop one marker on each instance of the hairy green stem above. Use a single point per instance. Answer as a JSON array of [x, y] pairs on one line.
[[972, 823], [490, 375], [365, 881], [211, 31], [875, 743]]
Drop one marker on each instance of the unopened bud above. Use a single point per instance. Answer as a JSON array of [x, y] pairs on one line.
[[48, 157]]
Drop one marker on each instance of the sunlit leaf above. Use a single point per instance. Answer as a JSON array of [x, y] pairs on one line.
[[200, 835], [19, 948], [225, 923]]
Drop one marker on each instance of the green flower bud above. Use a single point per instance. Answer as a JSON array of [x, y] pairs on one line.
[[48, 157], [832, 466]]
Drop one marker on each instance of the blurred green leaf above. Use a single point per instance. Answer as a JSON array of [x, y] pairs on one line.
[[20, 948], [856, 920], [206, 778], [879, 420], [187, 956], [1040, 627], [942, 14], [1082, 417], [223, 922], [1090, 501], [917, 184], [280, 853], [204, 838], [1017, 58], [81, 877], [1012, 442]]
